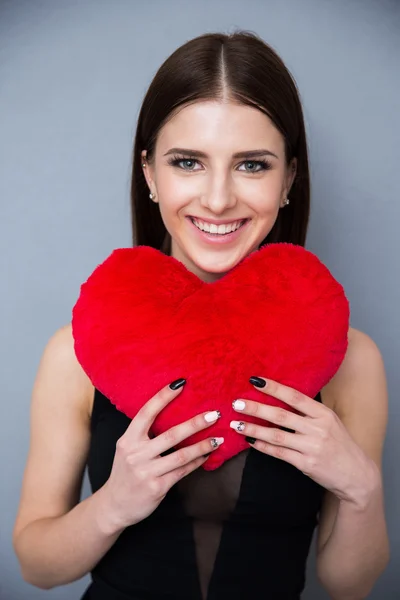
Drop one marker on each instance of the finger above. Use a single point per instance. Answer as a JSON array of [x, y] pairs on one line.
[[301, 402], [170, 438], [176, 475], [184, 456], [271, 435], [145, 417], [297, 459], [273, 414]]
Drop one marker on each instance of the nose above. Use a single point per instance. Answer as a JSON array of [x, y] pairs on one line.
[[219, 196]]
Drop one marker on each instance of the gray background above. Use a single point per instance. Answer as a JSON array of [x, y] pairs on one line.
[[72, 76]]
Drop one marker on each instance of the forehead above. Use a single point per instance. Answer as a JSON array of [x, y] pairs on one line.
[[223, 125]]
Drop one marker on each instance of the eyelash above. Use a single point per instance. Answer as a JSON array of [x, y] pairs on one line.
[[264, 165]]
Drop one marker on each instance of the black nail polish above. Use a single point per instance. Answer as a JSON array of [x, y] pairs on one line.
[[257, 382], [287, 429], [177, 384], [250, 439]]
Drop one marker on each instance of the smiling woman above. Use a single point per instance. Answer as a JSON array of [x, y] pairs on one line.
[[220, 169], [229, 178], [222, 138]]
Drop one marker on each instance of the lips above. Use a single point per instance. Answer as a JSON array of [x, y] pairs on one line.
[[215, 221], [215, 228], [216, 239]]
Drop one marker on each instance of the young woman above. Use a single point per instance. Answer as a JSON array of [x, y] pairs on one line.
[[220, 168]]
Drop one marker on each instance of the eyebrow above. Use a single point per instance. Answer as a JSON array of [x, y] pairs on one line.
[[245, 154]]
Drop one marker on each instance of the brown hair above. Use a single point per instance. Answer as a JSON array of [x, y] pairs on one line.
[[207, 67]]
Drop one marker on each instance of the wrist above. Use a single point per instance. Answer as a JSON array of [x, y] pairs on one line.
[[366, 489], [106, 519]]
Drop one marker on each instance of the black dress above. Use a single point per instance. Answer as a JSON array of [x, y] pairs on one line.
[[242, 531]]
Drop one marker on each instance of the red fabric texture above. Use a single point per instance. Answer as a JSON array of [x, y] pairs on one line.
[[143, 320]]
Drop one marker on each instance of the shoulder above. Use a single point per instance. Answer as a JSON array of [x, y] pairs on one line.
[[60, 367], [358, 391], [362, 355], [362, 366]]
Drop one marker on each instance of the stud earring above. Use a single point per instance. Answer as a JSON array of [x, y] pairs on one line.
[[152, 196], [286, 202], [143, 164]]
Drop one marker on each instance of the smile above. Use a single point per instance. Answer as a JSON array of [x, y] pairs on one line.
[[215, 229]]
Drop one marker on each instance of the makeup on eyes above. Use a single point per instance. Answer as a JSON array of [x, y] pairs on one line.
[[175, 161]]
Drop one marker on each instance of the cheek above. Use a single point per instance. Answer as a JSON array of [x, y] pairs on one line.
[[265, 205], [267, 184], [168, 211], [171, 205], [262, 195], [173, 190]]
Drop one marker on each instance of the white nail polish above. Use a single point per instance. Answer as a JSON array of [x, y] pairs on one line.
[[212, 416], [237, 425], [217, 441], [239, 405]]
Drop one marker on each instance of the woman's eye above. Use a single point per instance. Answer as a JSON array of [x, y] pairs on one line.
[[187, 164], [253, 166]]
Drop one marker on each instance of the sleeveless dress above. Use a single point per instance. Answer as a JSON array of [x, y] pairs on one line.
[[241, 531]]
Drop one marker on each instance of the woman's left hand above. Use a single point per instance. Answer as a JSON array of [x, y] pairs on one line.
[[320, 445]]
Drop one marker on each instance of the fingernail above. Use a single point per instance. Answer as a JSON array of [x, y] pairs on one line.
[[206, 455], [215, 442], [258, 382], [212, 416], [239, 405], [250, 439], [287, 429], [177, 384], [238, 425]]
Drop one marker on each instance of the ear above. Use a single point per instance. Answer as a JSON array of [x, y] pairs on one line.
[[148, 173], [291, 174]]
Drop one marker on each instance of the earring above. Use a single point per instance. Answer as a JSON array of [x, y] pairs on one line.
[[286, 202], [152, 196], [143, 164]]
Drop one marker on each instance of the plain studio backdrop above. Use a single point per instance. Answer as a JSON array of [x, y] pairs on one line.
[[72, 77]]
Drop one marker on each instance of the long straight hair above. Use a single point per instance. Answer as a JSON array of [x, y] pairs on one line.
[[207, 68]]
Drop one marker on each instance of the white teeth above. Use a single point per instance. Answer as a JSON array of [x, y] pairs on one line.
[[217, 229]]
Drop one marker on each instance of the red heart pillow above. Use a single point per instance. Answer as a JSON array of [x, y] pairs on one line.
[[143, 320]]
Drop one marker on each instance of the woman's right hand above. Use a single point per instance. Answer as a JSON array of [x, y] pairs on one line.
[[140, 478]]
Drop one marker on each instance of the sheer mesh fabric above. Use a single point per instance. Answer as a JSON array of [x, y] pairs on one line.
[[209, 498]]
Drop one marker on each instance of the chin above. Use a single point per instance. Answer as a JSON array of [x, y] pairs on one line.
[[210, 264], [215, 268]]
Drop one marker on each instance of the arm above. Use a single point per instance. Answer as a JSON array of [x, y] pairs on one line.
[[56, 539], [338, 444], [353, 548]]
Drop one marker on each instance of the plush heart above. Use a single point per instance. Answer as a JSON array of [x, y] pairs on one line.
[[143, 320]]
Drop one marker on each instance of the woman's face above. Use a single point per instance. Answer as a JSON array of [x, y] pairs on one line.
[[219, 167]]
